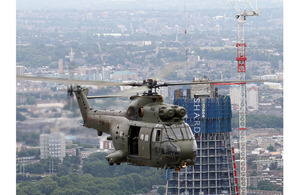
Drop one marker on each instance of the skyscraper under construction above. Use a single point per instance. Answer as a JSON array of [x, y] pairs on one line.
[[209, 117]]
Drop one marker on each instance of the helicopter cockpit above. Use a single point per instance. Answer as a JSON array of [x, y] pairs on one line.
[[176, 142]]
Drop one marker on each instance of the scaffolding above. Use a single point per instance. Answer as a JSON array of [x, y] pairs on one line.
[[215, 168]]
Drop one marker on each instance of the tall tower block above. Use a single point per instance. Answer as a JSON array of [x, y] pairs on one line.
[[215, 169], [61, 66]]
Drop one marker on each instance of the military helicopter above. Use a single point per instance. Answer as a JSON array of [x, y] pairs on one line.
[[149, 133]]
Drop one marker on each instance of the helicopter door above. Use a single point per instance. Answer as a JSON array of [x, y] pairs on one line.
[[133, 140], [144, 142]]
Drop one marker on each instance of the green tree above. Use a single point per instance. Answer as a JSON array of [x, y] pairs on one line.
[[260, 121], [264, 185], [31, 190], [82, 191], [74, 177], [62, 170], [47, 185], [31, 139], [36, 168], [96, 168], [75, 160], [21, 178], [279, 189], [31, 100], [64, 181], [20, 192], [51, 162], [59, 191], [138, 180], [31, 152], [109, 185]]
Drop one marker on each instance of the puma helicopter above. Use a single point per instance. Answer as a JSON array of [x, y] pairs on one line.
[[149, 133]]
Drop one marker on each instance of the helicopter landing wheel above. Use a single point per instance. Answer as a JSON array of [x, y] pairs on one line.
[[111, 163]]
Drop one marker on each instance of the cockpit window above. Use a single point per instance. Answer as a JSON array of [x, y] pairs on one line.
[[177, 132], [169, 134], [187, 130]]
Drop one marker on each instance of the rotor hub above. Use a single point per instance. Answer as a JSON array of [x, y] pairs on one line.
[[151, 84]]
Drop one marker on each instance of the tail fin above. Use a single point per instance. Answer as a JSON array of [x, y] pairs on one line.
[[83, 103]]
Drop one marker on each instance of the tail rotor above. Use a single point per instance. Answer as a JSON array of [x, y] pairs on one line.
[[70, 91], [71, 105]]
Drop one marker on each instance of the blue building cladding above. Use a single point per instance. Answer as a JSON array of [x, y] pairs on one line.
[[207, 115], [215, 170]]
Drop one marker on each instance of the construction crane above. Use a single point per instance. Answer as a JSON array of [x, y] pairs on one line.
[[241, 62], [102, 60], [100, 52]]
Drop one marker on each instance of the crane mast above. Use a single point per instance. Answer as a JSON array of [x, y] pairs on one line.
[[241, 62]]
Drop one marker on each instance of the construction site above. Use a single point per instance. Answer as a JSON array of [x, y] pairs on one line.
[[215, 168], [209, 116]]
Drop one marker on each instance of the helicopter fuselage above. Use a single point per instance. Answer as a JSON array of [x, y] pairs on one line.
[[149, 133]]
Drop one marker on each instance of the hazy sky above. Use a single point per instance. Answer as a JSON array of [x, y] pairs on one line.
[[134, 4]]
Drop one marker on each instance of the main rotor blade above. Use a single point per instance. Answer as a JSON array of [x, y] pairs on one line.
[[133, 91], [103, 96], [125, 93], [73, 81], [216, 82], [168, 69]]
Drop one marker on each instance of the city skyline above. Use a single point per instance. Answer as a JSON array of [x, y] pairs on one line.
[[174, 39]]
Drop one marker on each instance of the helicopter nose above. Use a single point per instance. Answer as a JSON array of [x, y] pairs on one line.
[[188, 152]]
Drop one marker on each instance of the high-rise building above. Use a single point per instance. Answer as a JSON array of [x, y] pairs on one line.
[[92, 74], [71, 54], [60, 66], [215, 169], [52, 145], [200, 90], [252, 97], [234, 93], [124, 76], [106, 73], [20, 70]]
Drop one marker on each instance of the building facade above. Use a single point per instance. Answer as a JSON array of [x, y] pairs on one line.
[[234, 93], [215, 168], [252, 97], [53, 145], [60, 66]]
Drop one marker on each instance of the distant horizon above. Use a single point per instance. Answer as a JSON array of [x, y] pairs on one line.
[[135, 4]]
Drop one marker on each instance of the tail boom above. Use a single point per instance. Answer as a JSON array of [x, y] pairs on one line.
[[101, 120]]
